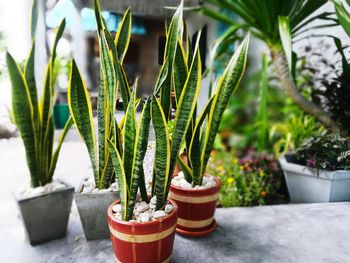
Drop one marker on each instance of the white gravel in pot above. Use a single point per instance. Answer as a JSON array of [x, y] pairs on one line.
[[144, 212], [180, 181]]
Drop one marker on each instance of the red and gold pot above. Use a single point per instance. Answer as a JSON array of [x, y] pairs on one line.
[[148, 242], [196, 209]]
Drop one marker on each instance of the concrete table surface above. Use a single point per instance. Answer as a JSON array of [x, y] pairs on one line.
[[283, 233]]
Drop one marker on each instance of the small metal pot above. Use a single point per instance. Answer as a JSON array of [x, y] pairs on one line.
[[45, 216], [92, 209]]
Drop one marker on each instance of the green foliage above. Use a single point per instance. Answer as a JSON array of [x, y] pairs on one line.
[[343, 15], [129, 180], [289, 134], [112, 78], [325, 151], [246, 182], [34, 119], [262, 17], [204, 131]]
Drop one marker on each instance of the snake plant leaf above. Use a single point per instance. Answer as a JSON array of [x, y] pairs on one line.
[[142, 187], [228, 82], [122, 38], [106, 174], [194, 147], [180, 70], [110, 41], [161, 78], [48, 148], [59, 34], [121, 179], [108, 75], [29, 74], [123, 83], [173, 32], [186, 107], [81, 111], [46, 108], [129, 135], [23, 115], [102, 125], [165, 96], [185, 169], [141, 141], [98, 16], [56, 153], [162, 152], [172, 35], [34, 19]]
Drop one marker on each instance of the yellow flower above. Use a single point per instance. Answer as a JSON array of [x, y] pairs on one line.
[[234, 161], [230, 180], [241, 167], [261, 173], [221, 167]]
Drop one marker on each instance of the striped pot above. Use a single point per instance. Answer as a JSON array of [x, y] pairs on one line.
[[149, 242], [196, 209]]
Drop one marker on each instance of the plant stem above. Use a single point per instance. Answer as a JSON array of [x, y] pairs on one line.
[[288, 85]]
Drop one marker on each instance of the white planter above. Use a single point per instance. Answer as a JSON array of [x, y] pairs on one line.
[[309, 185]]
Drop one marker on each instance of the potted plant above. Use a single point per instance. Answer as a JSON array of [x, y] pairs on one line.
[[318, 171], [34, 121], [195, 192], [143, 228], [97, 193]]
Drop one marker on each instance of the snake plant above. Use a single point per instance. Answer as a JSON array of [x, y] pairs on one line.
[[128, 162], [112, 53], [33, 118], [202, 132]]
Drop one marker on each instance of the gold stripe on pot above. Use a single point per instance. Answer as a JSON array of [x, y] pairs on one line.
[[164, 261], [194, 223], [142, 238], [194, 199]]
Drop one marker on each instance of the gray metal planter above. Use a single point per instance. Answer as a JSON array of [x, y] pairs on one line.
[[45, 216], [92, 209], [307, 185]]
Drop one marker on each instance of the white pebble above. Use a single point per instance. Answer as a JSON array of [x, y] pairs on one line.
[[88, 189], [181, 174], [38, 190], [96, 190], [209, 184], [168, 208], [175, 182], [153, 200], [159, 214], [142, 207], [152, 206], [201, 188], [185, 185], [144, 217], [117, 208]]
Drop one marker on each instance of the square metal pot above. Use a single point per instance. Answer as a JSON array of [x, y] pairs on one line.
[[307, 185], [45, 216], [92, 209]]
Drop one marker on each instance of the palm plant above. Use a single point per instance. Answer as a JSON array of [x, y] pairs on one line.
[[276, 22], [112, 53], [203, 130], [343, 15], [34, 119]]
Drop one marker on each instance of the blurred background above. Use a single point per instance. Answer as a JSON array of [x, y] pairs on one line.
[[261, 122]]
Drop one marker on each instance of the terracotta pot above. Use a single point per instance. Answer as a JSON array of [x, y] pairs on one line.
[[196, 209], [149, 242]]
